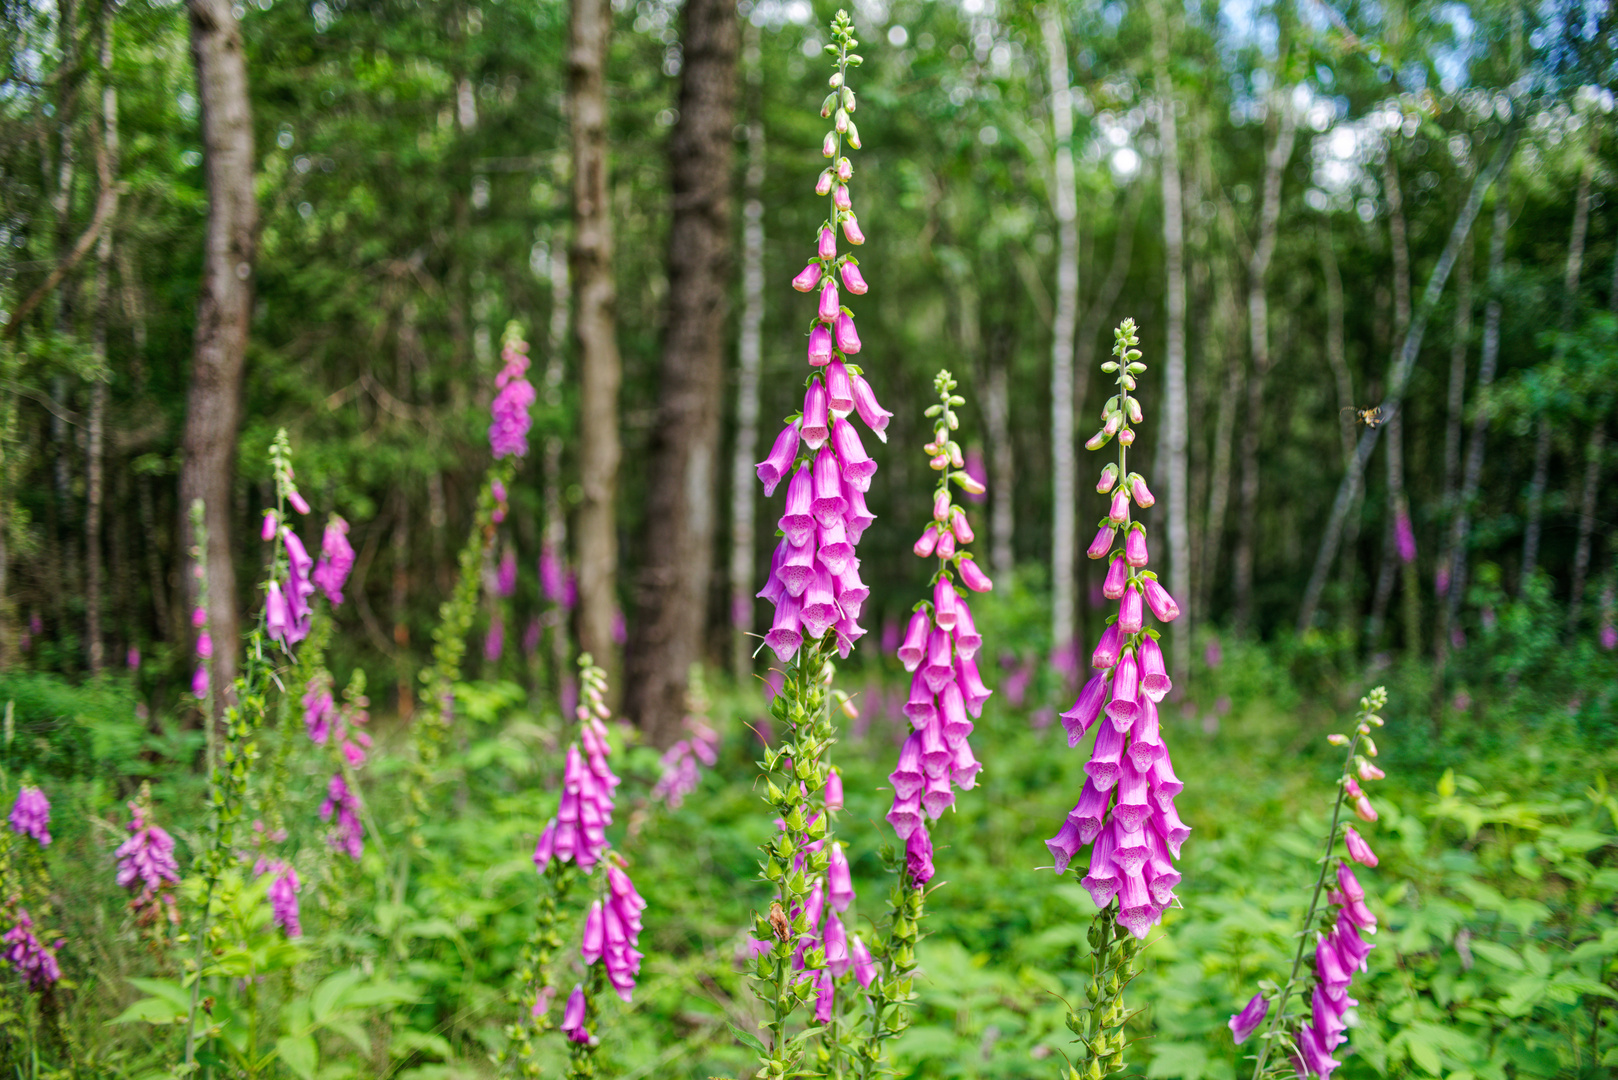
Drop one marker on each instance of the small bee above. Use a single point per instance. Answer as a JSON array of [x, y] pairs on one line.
[[1371, 417], [779, 922]]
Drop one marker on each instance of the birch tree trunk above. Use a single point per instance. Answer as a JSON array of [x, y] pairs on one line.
[[106, 172], [1064, 199], [749, 360], [1398, 377], [672, 598], [1179, 575], [224, 307], [1258, 333], [1542, 443], [1488, 357], [600, 370]]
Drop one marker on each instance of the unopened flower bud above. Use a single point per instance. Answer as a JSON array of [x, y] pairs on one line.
[[828, 105], [1368, 771], [1135, 547], [853, 281], [845, 170], [973, 577], [941, 506], [1114, 421], [1120, 507], [848, 339], [1101, 546], [1127, 436], [807, 278], [1117, 578], [823, 184], [267, 531], [925, 545], [841, 123], [1337, 739], [1368, 746], [969, 483], [1109, 475], [853, 135], [830, 302], [1097, 441], [939, 461], [828, 148], [1364, 810], [851, 231], [840, 198], [960, 526], [1135, 415], [1140, 492], [828, 244], [946, 544]]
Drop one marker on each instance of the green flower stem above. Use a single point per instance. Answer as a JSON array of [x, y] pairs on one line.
[[1363, 721], [795, 780], [1100, 1026], [892, 992], [581, 1064], [539, 954]]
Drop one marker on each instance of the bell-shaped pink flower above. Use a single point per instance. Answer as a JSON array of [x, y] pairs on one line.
[[1118, 512], [797, 517], [848, 339], [1135, 546], [840, 198], [778, 463], [938, 668], [1154, 677], [946, 544], [839, 883], [871, 412], [1247, 1021], [855, 464], [1358, 849], [816, 427], [851, 231], [853, 280], [839, 390], [1107, 646], [967, 639], [823, 182], [960, 526], [808, 277], [926, 543], [1140, 492], [1124, 710], [1117, 577], [1101, 546], [819, 346], [972, 575], [826, 247], [829, 504], [944, 604], [786, 631], [1161, 603], [1131, 617], [573, 1017], [1086, 708], [830, 304], [914, 648]]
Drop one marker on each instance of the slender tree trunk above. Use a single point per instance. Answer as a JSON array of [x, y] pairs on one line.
[[1594, 453], [1542, 443], [673, 597], [1179, 530], [599, 366], [1258, 333], [1456, 402], [749, 361], [106, 171], [1065, 201], [1488, 357], [555, 542], [224, 308], [1398, 377]]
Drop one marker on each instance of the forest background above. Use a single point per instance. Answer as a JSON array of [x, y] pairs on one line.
[[1374, 240]]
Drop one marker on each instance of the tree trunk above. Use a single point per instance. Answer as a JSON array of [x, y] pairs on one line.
[[1488, 357], [1398, 376], [224, 307], [599, 367], [749, 360], [106, 172], [672, 608], [1258, 334], [1179, 575], [1064, 200], [1456, 403]]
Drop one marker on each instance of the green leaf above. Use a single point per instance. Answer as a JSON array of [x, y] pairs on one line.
[[151, 1010], [752, 1042], [169, 991], [298, 1053], [328, 996]]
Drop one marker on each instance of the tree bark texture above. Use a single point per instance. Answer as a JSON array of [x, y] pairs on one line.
[[1488, 358], [1258, 335], [749, 361], [600, 369], [1179, 528], [1398, 377], [1542, 443], [1064, 199], [95, 487], [555, 541], [224, 308], [672, 598]]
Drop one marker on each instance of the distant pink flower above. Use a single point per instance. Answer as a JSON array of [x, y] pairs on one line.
[[347, 834], [1404, 537], [283, 894], [31, 815], [336, 560], [508, 430], [33, 959]]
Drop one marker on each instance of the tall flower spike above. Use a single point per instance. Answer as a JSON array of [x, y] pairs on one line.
[[820, 448], [31, 815], [1128, 805], [514, 396]]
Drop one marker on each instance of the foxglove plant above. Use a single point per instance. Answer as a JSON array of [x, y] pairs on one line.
[[939, 648], [816, 590], [24, 881], [1333, 928], [1125, 813], [146, 866], [682, 762], [508, 441], [572, 844], [31, 814]]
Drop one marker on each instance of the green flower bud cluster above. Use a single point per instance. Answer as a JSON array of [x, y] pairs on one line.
[[534, 971], [891, 994], [1100, 1026]]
